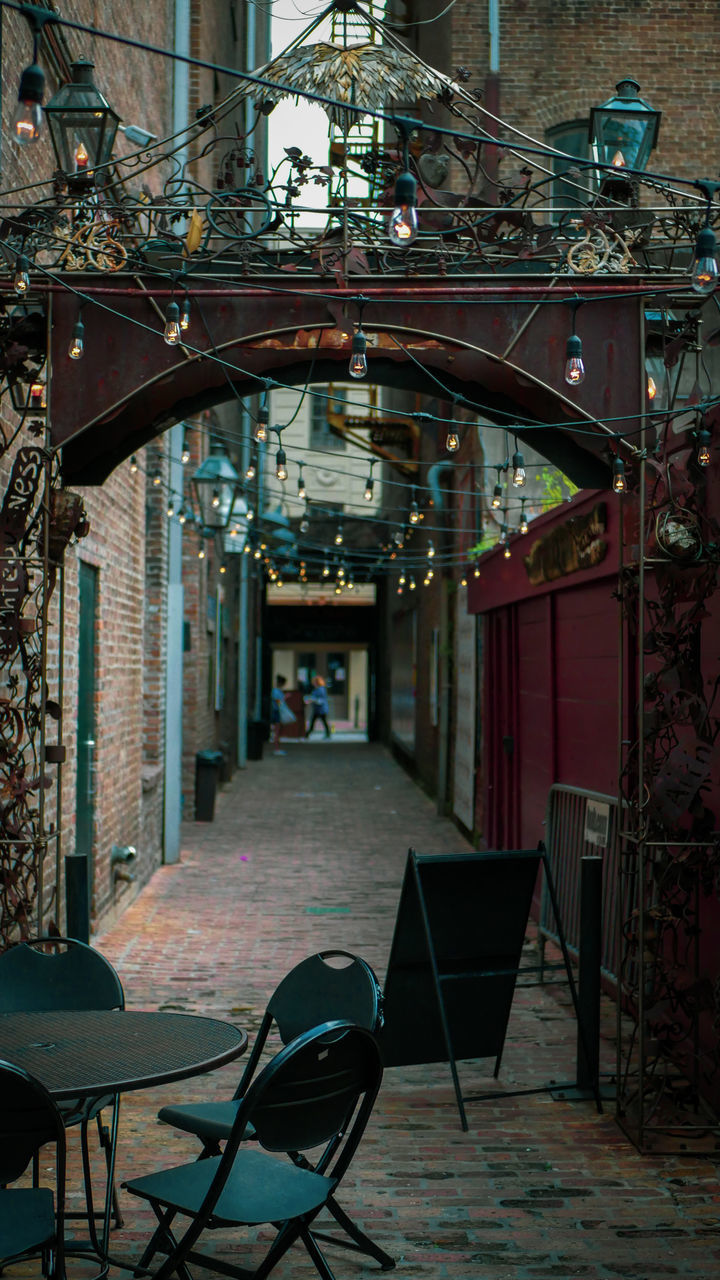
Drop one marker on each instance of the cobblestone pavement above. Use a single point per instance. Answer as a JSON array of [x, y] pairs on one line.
[[308, 851]]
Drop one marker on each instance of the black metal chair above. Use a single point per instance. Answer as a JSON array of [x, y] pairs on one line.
[[318, 1091], [62, 973], [327, 986], [31, 1219]]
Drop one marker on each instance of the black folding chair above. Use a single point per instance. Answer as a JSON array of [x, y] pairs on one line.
[[321, 988], [318, 1091], [31, 1219], [62, 973]]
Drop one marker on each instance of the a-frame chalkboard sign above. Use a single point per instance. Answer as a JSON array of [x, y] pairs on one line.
[[455, 956]]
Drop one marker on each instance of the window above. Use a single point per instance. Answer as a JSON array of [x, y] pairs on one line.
[[571, 137], [321, 434]]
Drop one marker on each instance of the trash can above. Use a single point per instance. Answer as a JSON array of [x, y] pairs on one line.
[[207, 769], [256, 735]]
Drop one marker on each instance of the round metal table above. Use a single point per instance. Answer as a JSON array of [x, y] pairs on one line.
[[90, 1053]]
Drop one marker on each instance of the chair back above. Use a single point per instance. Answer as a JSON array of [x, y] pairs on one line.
[[57, 973], [326, 987], [28, 1120]]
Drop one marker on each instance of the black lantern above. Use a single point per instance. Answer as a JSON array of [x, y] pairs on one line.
[[215, 483], [82, 124], [624, 130]]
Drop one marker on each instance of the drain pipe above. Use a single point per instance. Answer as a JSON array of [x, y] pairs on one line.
[[433, 481]]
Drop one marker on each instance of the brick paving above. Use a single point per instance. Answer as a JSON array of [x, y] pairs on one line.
[[308, 851]]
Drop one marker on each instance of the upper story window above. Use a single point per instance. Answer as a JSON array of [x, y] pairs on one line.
[[572, 138]]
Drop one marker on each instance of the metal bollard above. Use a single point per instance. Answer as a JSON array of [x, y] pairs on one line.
[[590, 953]]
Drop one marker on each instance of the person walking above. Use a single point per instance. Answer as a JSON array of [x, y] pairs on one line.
[[319, 706], [277, 700]]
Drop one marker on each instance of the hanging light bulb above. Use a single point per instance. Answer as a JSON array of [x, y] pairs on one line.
[[618, 470], [201, 553], [251, 469], [185, 455], [574, 367], [215, 500], [302, 491], [703, 447], [358, 360], [326, 570], [402, 579], [403, 221], [170, 509], [250, 514], [399, 589], [77, 342], [281, 470], [705, 267], [339, 536], [338, 589], [476, 571], [133, 465], [222, 569], [368, 489], [497, 495], [414, 514], [651, 387], [157, 477], [463, 581], [304, 524], [452, 442], [182, 517], [257, 554], [21, 279], [185, 314], [430, 551], [28, 116], [412, 583], [518, 476], [506, 551], [171, 332], [523, 519], [261, 426]]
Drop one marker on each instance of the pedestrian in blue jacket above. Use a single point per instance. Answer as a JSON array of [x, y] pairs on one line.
[[319, 706]]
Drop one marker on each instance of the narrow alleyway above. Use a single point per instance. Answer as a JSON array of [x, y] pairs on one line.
[[308, 851]]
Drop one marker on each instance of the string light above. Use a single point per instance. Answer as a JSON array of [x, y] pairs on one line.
[[281, 470], [574, 366], [369, 484], [518, 464], [157, 477], [201, 553], [251, 469], [171, 332], [476, 571], [414, 514], [358, 360], [77, 341], [705, 267], [261, 426], [703, 447], [339, 536], [497, 491], [430, 551], [185, 316], [182, 516], [651, 387], [452, 442], [523, 518], [21, 279], [305, 522], [133, 465], [619, 481], [170, 509], [185, 455], [302, 492]]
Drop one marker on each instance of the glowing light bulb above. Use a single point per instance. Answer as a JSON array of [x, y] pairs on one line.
[[81, 158], [703, 448], [412, 584], [77, 342], [497, 496], [339, 537], [403, 221], [302, 491], [619, 482], [326, 570], [402, 579], [618, 160], [185, 314], [574, 367], [507, 552], [358, 360], [452, 443], [21, 279], [414, 515], [281, 470], [171, 332], [250, 515], [261, 426], [215, 500], [185, 455], [27, 120], [182, 516], [37, 398], [476, 572], [705, 267], [651, 388], [222, 569], [251, 470], [368, 489], [463, 581], [170, 510], [430, 551], [524, 525], [519, 476], [157, 477], [133, 465]]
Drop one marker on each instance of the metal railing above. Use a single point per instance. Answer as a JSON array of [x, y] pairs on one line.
[[580, 824]]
